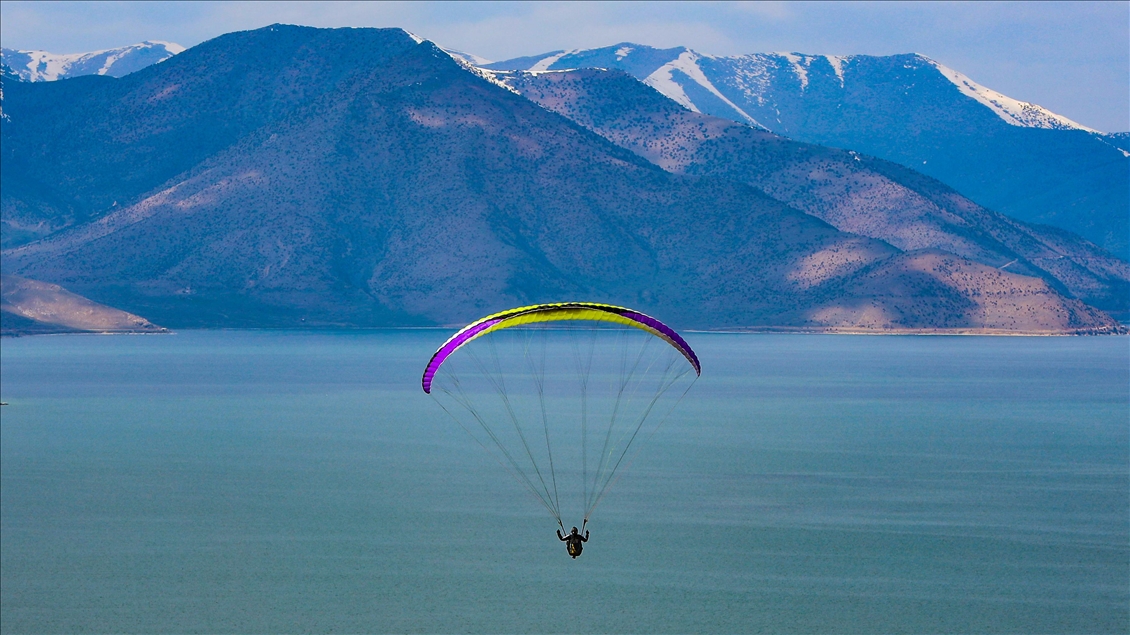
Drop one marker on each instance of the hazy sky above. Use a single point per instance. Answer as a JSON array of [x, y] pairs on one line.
[[1070, 57]]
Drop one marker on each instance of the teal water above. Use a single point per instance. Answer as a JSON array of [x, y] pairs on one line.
[[281, 482]]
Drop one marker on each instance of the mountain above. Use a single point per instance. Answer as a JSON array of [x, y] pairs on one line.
[[30, 306], [1010, 156], [41, 66], [852, 192], [297, 176]]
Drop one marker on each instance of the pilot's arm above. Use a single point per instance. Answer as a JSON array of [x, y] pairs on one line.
[[586, 538], [560, 537]]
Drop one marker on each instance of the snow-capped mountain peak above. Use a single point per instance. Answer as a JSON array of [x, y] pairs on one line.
[[43, 66], [1012, 111], [675, 72], [733, 83]]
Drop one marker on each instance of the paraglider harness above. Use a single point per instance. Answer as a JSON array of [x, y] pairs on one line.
[[574, 539]]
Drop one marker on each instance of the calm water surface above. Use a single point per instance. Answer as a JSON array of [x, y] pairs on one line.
[[282, 482]]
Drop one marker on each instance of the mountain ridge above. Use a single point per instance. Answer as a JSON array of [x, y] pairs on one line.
[[1036, 188], [1007, 155], [364, 177], [41, 66]]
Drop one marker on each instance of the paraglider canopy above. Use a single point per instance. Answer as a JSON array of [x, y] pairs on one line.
[[552, 313]]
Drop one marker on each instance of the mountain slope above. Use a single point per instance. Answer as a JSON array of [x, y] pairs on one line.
[[41, 66], [397, 188], [296, 176], [855, 193], [68, 159], [1010, 156]]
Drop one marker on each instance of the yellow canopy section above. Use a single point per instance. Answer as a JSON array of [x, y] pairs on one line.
[[587, 311]]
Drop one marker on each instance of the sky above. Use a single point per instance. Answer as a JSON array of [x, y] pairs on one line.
[[1070, 57]]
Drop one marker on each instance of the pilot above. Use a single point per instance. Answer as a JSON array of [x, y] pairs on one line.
[[573, 541]]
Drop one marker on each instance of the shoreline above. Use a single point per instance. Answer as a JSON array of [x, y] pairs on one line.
[[1122, 330]]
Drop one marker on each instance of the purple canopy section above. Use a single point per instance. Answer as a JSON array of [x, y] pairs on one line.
[[474, 329], [461, 338], [674, 337]]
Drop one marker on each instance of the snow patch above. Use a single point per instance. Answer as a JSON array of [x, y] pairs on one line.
[[544, 64], [800, 67], [838, 66], [687, 63], [489, 75], [172, 47], [470, 58], [563, 70], [661, 80], [492, 77], [1103, 138], [1012, 111], [110, 60], [47, 67], [623, 52]]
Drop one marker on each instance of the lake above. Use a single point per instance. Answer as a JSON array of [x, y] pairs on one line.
[[256, 481]]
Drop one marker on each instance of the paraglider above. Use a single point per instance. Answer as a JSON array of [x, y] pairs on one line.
[[562, 395]]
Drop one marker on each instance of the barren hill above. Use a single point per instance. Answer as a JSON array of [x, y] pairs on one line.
[[31, 306]]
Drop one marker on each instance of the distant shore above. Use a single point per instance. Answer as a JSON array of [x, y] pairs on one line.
[[783, 330], [1121, 329]]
